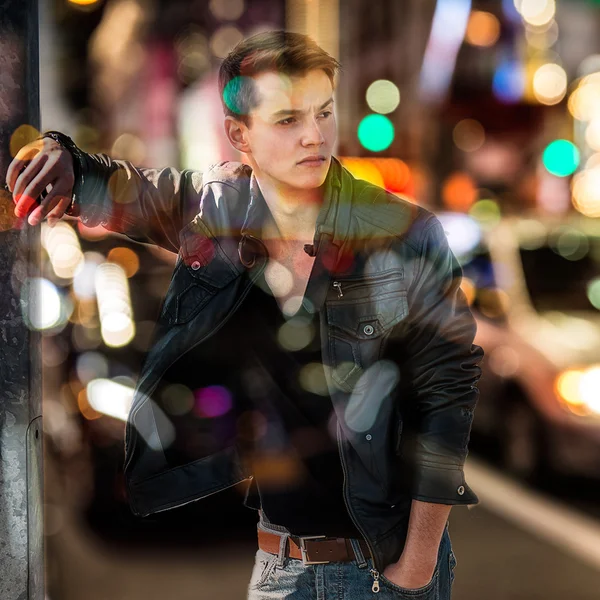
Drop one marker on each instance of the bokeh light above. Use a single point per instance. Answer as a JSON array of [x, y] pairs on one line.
[[570, 243], [561, 158], [114, 305], [295, 334], [376, 132], [63, 249], [463, 232], [177, 399], [22, 135], [279, 278], [212, 401], [486, 213], [227, 10], [592, 134], [568, 387], [593, 292], [584, 102], [84, 281], [44, 306], [509, 81], [312, 379], [364, 169], [586, 192], [108, 397], [550, 84], [459, 192], [542, 38], [537, 12], [383, 96], [125, 258], [91, 365], [468, 135], [193, 55], [129, 146], [224, 39], [483, 29]]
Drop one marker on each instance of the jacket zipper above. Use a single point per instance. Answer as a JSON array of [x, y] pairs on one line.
[[363, 281], [374, 572]]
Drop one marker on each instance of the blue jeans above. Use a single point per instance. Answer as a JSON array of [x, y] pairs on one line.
[[276, 577]]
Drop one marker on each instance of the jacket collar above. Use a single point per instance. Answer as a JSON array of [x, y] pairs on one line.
[[330, 226]]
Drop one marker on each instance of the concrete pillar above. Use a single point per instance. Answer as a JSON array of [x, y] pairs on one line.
[[21, 474]]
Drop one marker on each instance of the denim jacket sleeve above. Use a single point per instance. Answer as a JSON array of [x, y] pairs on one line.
[[147, 205], [443, 370]]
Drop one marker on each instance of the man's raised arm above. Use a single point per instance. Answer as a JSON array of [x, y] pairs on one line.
[[147, 205]]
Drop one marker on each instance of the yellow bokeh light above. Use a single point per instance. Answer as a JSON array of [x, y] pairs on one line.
[[568, 384], [126, 258], [383, 96], [23, 135], [592, 133], [538, 12], [483, 29], [365, 170], [584, 102], [83, 2], [586, 192], [468, 135], [468, 287], [550, 84]]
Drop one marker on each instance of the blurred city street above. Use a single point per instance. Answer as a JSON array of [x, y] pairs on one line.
[[517, 544]]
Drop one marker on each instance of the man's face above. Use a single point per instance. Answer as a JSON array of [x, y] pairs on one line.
[[293, 121]]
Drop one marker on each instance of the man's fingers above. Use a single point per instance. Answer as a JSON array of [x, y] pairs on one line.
[[24, 156], [59, 210], [53, 201], [29, 197]]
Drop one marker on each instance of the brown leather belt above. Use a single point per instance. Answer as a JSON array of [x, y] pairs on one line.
[[312, 550]]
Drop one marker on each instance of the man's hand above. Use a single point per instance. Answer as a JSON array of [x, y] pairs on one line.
[[410, 574], [38, 167], [416, 564]]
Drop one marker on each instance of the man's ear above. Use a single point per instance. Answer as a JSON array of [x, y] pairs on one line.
[[237, 134]]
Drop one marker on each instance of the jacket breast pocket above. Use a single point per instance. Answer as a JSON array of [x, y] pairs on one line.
[[358, 330]]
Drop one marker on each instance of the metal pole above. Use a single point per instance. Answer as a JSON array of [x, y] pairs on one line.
[[21, 474]]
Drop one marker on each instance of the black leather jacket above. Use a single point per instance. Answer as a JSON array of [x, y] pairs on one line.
[[397, 338]]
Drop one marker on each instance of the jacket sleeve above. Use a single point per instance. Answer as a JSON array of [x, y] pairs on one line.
[[147, 205], [442, 367]]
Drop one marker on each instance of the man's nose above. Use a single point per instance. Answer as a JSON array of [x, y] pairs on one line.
[[312, 135]]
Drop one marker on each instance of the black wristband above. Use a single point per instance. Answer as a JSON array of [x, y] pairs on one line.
[[66, 142]]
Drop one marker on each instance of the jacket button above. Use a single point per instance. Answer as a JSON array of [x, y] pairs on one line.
[[196, 265], [369, 437], [461, 490], [368, 330]]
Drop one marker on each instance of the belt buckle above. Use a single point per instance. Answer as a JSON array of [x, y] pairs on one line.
[[305, 561]]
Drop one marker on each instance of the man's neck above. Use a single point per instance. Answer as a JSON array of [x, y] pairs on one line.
[[294, 211]]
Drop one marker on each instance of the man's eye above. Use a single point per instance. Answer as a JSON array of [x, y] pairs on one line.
[[326, 113], [287, 121]]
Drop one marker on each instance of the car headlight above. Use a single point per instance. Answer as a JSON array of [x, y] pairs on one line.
[[580, 390]]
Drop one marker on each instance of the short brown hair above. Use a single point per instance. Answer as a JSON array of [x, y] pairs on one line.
[[282, 51]]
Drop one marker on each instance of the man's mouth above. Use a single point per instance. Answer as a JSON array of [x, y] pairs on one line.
[[313, 161]]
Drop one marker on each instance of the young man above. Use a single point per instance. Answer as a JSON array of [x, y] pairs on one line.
[[330, 315]]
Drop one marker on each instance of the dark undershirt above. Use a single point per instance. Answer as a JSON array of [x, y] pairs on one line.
[[300, 477]]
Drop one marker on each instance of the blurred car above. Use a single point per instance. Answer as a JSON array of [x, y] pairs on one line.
[[534, 286]]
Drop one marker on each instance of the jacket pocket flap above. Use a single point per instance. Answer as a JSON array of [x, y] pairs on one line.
[[203, 257], [368, 318]]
